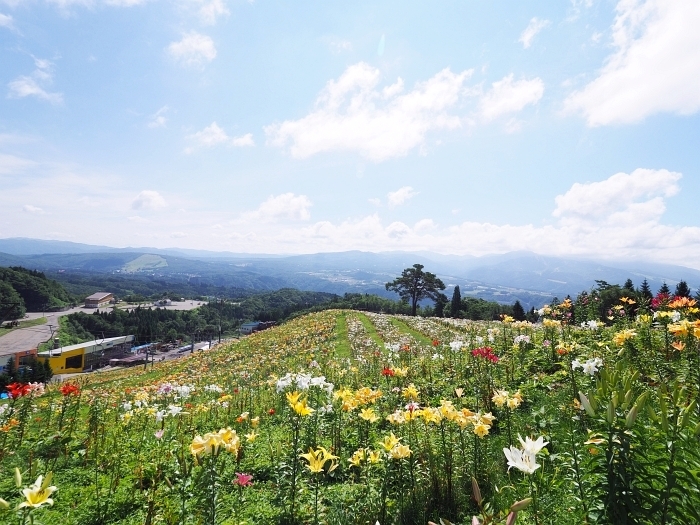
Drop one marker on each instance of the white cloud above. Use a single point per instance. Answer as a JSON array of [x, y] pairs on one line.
[[34, 85], [213, 135], [244, 141], [639, 195], [398, 197], [28, 208], [655, 67], [617, 218], [148, 200], [7, 21], [159, 120], [193, 50], [535, 26], [178, 235], [285, 206], [507, 96], [352, 114], [424, 225], [210, 10], [374, 201]]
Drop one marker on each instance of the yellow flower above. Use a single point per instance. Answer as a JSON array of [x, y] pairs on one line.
[[400, 452], [480, 429], [302, 408], [39, 493], [390, 442], [357, 458], [623, 335], [681, 328], [318, 458], [255, 422], [500, 397], [251, 437], [400, 372], [368, 415], [410, 392], [293, 397], [374, 456]]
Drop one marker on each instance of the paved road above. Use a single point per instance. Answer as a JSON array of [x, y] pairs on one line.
[[27, 338]]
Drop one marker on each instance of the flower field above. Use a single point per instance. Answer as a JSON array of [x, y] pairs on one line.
[[347, 417]]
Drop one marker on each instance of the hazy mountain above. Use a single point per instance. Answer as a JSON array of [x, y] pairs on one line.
[[533, 279]]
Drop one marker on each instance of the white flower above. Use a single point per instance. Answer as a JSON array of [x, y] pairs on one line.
[[456, 345], [319, 381], [213, 388], [521, 460], [575, 364], [284, 382], [525, 459], [160, 415], [303, 381], [127, 406], [437, 356], [590, 367], [174, 410], [522, 338], [532, 447], [590, 325], [675, 316]]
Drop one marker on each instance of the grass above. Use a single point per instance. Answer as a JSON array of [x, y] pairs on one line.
[[408, 330], [24, 324], [342, 345], [371, 330]]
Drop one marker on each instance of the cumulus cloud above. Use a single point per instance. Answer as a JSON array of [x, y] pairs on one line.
[[655, 67], [194, 49], [148, 200], [243, 141], [509, 96], [213, 135], [36, 84], [277, 207], [353, 114], [535, 26], [617, 218], [398, 197]]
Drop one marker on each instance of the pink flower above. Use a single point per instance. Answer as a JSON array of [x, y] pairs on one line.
[[243, 480], [159, 434]]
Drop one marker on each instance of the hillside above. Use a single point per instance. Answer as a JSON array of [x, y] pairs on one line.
[[35, 291], [351, 418]]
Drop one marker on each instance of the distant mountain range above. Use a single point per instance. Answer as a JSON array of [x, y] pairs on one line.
[[533, 279]]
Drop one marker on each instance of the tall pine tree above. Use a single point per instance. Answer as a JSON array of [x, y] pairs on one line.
[[456, 302], [682, 289], [645, 290]]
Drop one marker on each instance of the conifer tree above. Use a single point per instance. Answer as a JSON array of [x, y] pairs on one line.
[[456, 302], [682, 289], [645, 290], [628, 286], [665, 289], [518, 311]]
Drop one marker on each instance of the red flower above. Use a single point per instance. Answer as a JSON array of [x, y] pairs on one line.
[[70, 389], [271, 411], [15, 390], [485, 352], [387, 372], [436, 342]]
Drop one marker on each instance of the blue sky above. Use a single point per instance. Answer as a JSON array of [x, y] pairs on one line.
[[298, 127]]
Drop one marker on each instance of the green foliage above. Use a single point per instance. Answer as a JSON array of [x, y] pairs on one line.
[[37, 292], [414, 284]]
